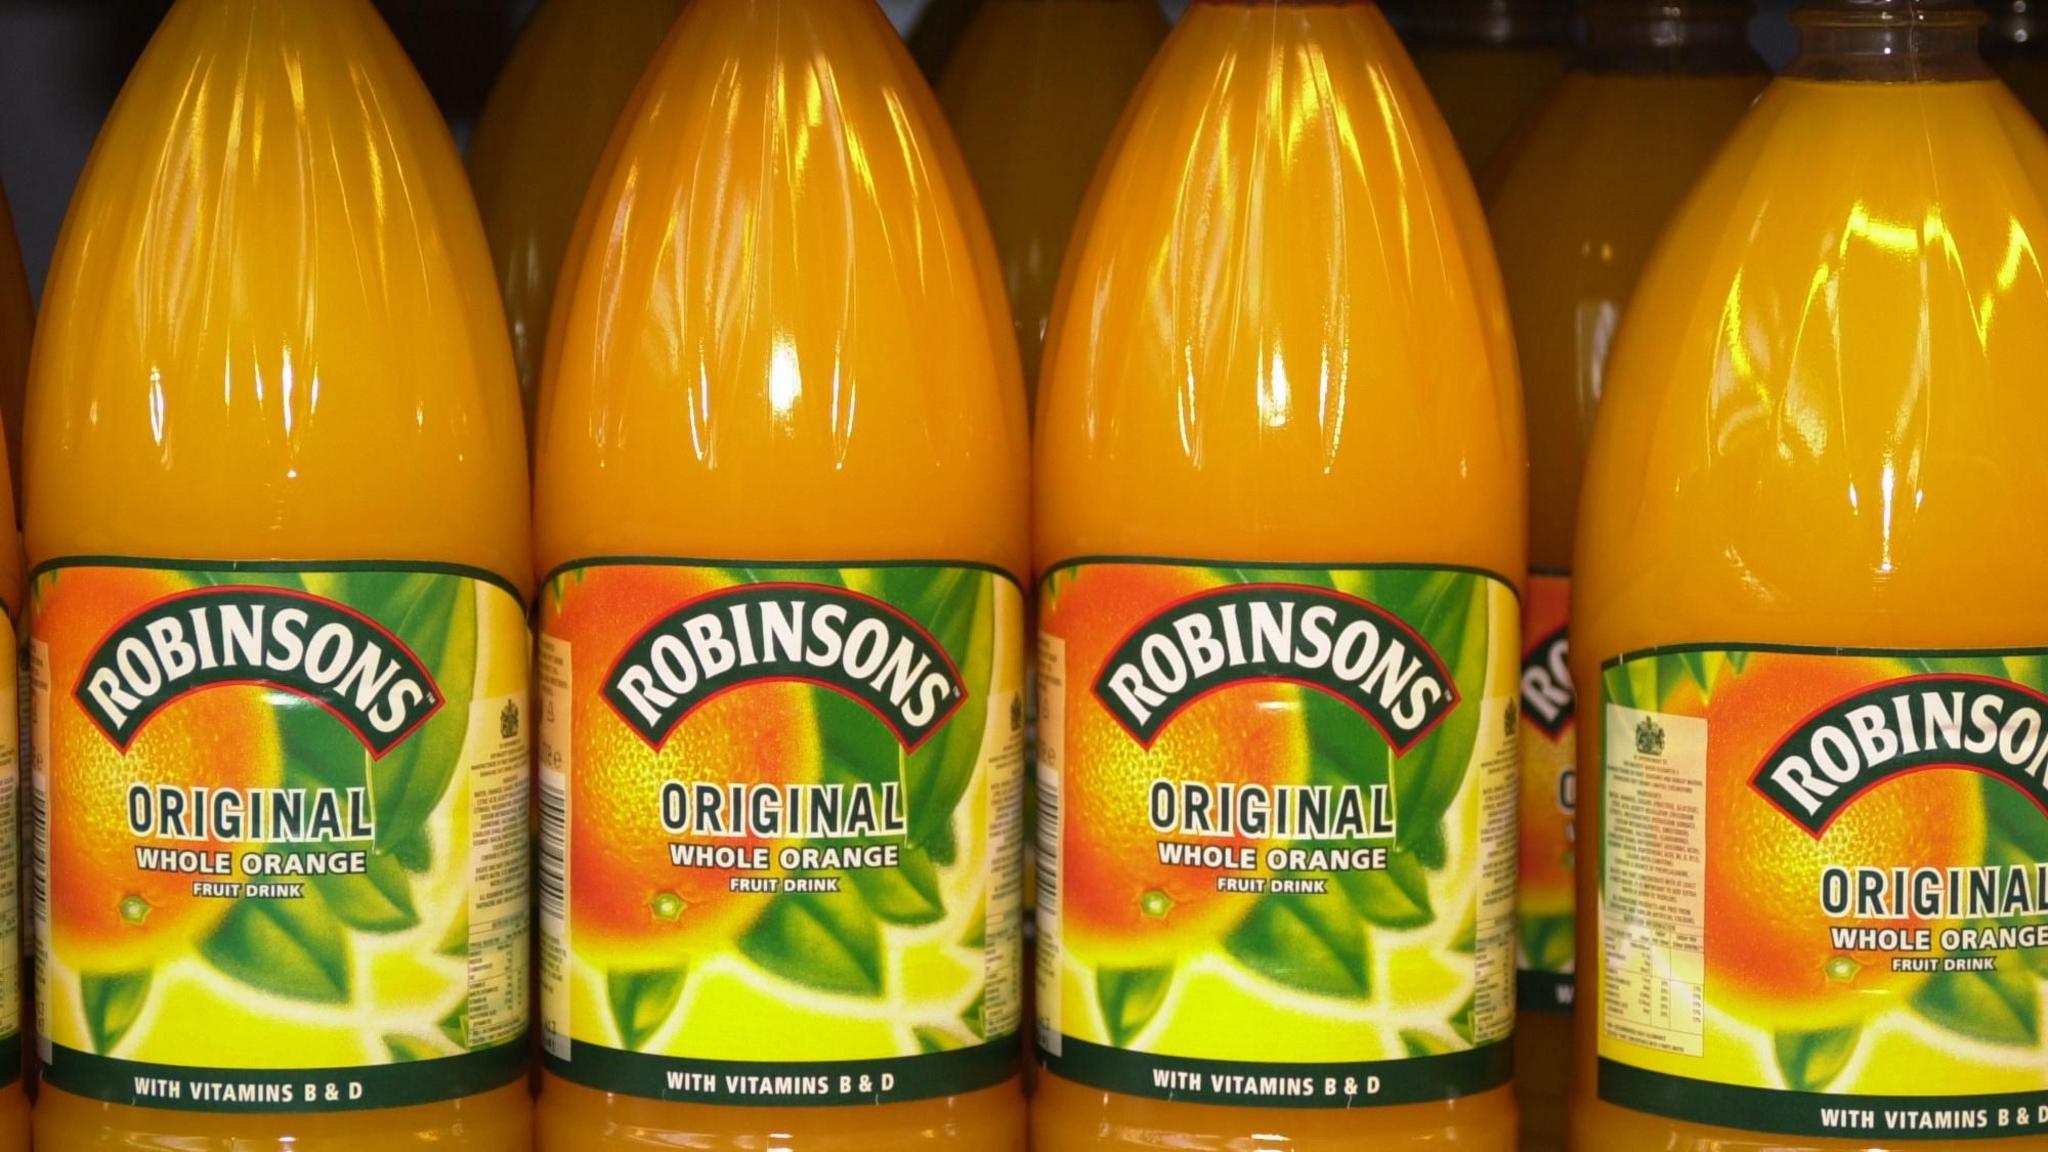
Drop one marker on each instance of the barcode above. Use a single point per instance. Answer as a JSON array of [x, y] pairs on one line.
[[39, 876], [1048, 844], [1052, 766], [554, 848]]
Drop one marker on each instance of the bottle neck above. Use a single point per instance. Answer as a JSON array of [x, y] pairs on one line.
[[1668, 38], [1889, 42], [1493, 23]]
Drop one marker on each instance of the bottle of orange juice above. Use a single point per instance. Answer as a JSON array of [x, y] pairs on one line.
[[17, 326], [1807, 622], [1034, 93], [781, 518], [1487, 63], [538, 143], [2016, 43], [278, 644], [1575, 209], [1279, 506]]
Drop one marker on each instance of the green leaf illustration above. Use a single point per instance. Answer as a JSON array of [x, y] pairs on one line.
[[415, 853], [319, 751], [975, 1015], [405, 1048], [378, 900], [1700, 666], [1461, 1021], [408, 783], [958, 608], [2015, 822], [975, 936], [1467, 939], [455, 1026], [906, 894], [642, 1002], [1433, 848], [1420, 1043], [1129, 998], [1810, 1061], [1315, 943], [111, 1004], [943, 845], [2002, 1006], [455, 941], [1548, 942], [830, 941], [856, 748], [1428, 778], [288, 948], [1396, 896], [931, 1040]]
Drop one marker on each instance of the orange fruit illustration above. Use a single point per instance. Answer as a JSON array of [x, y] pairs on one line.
[[1120, 905], [106, 914], [633, 909], [1771, 960], [1546, 848]]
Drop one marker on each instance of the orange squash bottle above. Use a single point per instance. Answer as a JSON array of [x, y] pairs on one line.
[[1807, 627], [279, 652], [1280, 536], [781, 525]]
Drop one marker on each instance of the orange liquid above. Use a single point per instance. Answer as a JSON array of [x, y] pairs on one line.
[[210, 384], [539, 141], [1241, 370], [1576, 208], [1817, 432], [1034, 93], [785, 340]]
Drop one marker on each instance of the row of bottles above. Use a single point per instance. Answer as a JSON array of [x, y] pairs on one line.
[[1311, 777]]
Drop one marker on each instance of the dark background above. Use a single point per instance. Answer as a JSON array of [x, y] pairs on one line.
[[62, 62]]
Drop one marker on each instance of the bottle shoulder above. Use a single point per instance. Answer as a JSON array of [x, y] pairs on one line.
[[1812, 409]]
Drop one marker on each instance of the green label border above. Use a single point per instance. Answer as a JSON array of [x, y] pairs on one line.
[[1413, 1080], [627, 560], [928, 1076], [1045, 576], [113, 1080], [1547, 992], [1786, 1112], [279, 567]]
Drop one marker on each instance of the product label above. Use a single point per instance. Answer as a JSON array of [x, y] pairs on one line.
[[1549, 844], [1824, 890], [1277, 831], [279, 815], [781, 835], [11, 859]]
